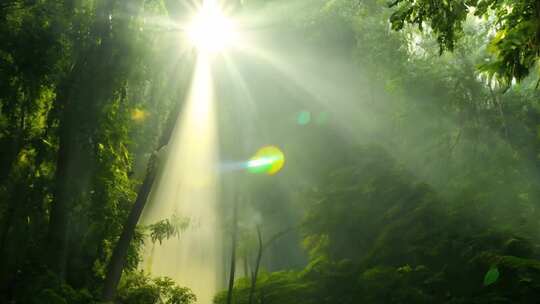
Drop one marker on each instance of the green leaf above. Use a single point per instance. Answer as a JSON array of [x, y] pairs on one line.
[[491, 276]]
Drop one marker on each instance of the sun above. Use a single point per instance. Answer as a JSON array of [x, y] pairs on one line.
[[210, 30]]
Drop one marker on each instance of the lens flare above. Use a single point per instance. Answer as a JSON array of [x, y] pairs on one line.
[[269, 160], [138, 115], [303, 118], [210, 30]]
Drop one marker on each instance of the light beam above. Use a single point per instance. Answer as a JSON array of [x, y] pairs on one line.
[[188, 186]]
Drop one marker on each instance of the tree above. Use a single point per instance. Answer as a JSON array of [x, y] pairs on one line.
[[120, 252], [260, 251], [234, 237], [82, 97], [515, 45]]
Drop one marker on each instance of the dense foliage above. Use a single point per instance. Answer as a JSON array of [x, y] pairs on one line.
[[413, 178], [376, 235], [441, 205], [515, 44], [84, 97]]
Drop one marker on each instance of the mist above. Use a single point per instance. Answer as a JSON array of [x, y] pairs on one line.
[[269, 152]]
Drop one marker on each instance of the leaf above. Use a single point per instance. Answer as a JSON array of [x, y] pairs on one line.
[[491, 276]]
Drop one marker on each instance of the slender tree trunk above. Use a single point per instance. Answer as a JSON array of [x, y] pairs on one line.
[[498, 103], [262, 247], [57, 234], [118, 258], [257, 265], [15, 145], [86, 89], [537, 5], [6, 225], [12, 149], [71, 166], [246, 263], [11, 251], [233, 252]]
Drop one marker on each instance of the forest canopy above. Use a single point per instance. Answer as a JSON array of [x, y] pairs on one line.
[[322, 151]]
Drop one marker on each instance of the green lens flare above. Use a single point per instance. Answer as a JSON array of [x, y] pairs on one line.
[[267, 160], [322, 118], [303, 118]]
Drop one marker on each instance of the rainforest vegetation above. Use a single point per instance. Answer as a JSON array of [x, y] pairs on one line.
[[355, 151]]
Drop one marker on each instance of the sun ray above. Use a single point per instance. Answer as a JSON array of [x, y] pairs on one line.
[[188, 187]]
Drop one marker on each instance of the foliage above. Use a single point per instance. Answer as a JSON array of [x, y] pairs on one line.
[[279, 287], [139, 288], [515, 45], [448, 192], [168, 228], [72, 75], [491, 276], [376, 236], [439, 204]]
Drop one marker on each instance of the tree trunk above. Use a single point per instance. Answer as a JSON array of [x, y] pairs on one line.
[[246, 263], [257, 264], [233, 252], [118, 258], [58, 222], [498, 103], [6, 225], [176, 11], [79, 95], [15, 145], [262, 247]]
